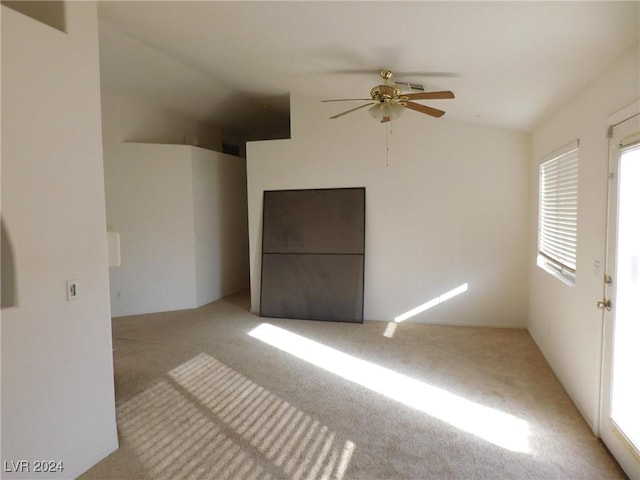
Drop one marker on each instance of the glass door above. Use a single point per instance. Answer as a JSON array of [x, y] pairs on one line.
[[620, 405]]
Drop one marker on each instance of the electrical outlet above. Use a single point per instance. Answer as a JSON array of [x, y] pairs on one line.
[[72, 290]]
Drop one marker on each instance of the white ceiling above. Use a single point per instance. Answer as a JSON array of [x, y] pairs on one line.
[[510, 64]]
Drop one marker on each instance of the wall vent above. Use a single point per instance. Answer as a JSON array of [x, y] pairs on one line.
[[231, 149]]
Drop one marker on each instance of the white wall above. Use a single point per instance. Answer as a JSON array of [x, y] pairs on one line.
[[139, 121], [564, 320], [149, 194], [180, 210], [57, 373], [181, 215], [450, 208], [220, 216], [143, 123]]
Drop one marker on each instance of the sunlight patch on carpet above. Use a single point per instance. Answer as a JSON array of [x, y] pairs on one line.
[[499, 428], [205, 420], [390, 331]]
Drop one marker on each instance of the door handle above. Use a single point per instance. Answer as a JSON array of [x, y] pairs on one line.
[[606, 304]]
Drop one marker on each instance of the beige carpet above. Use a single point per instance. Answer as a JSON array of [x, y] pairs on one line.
[[219, 393]]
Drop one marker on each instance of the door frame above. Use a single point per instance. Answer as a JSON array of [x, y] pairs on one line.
[[610, 434]]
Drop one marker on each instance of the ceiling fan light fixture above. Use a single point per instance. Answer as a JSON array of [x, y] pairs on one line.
[[386, 111]]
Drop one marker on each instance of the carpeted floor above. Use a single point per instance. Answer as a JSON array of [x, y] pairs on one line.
[[219, 393]]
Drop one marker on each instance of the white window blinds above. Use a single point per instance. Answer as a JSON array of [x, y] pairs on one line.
[[558, 213]]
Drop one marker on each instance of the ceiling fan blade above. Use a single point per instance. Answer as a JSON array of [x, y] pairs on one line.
[[398, 73], [411, 86], [430, 95], [434, 112], [347, 100], [353, 110], [432, 74]]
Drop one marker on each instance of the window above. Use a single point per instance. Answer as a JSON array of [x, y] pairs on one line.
[[558, 213]]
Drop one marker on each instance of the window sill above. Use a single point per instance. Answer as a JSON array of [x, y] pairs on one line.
[[565, 277]]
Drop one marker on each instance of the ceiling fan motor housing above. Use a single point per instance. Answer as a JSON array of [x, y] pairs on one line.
[[384, 93]]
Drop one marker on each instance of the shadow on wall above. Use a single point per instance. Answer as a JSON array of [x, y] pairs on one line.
[[234, 235], [9, 282], [50, 12]]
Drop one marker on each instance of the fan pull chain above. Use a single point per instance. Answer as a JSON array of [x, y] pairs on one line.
[[388, 130], [387, 140]]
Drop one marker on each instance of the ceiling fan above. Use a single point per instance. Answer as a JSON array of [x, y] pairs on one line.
[[387, 102]]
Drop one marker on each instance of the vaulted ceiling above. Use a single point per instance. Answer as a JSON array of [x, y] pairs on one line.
[[234, 64]]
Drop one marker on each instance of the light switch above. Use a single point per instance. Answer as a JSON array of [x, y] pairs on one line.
[[72, 290]]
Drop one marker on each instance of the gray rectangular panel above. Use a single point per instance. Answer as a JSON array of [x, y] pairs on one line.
[[313, 254], [314, 221], [317, 287]]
